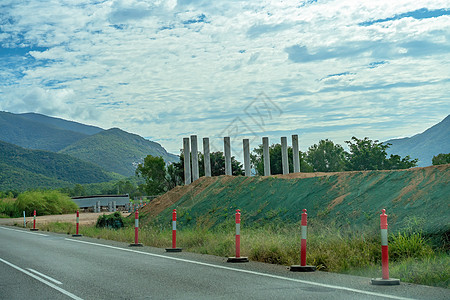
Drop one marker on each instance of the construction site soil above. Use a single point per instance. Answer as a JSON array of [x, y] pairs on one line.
[[414, 197]]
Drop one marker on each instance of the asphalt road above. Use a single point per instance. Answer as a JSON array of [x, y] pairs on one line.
[[45, 265]]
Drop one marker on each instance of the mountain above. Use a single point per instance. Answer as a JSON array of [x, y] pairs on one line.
[[62, 124], [34, 132], [22, 168], [425, 145], [117, 151]]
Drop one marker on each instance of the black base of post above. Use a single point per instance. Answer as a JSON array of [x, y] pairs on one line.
[[307, 268], [77, 235], [34, 229], [136, 245], [174, 249], [381, 281], [237, 259]]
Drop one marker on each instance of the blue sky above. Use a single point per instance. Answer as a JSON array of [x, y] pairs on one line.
[[248, 69]]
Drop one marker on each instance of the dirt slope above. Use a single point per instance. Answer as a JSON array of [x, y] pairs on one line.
[[419, 196]]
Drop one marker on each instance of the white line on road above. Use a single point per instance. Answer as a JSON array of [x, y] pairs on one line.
[[23, 231], [248, 272], [45, 276], [42, 280]]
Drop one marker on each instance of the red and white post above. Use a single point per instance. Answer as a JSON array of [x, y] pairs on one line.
[[384, 280], [34, 222], [78, 224], [174, 234], [303, 267], [238, 257], [136, 230]]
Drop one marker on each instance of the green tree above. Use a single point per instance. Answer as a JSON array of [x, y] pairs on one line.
[[441, 159], [154, 171], [366, 154], [217, 167], [326, 157], [276, 167]]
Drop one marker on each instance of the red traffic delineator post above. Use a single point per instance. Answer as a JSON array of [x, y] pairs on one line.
[[78, 225], [174, 234], [136, 230], [303, 267], [384, 280], [34, 222], [238, 257]]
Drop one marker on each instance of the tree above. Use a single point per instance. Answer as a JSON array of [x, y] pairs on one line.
[[326, 157], [441, 159], [366, 154], [276, 167], [154, 171]]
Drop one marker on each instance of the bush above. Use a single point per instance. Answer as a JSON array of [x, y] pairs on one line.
[[406, 245], [45, 203], [114, 221]]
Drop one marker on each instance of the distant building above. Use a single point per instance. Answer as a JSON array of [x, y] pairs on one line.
[[86, 202]]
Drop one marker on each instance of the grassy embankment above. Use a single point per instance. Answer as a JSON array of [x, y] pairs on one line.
[[412, 258]]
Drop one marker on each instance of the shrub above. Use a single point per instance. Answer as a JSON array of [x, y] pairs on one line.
[[45, 203], [405, 245], [114, 221]]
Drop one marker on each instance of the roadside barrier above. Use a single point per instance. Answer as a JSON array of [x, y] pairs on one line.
[[136, 231], [78, 224], [238, 257], [174, 234], [34, 222], [384, 280], [303, 267]]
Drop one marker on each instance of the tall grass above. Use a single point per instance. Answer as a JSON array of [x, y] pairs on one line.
[[329, 248]]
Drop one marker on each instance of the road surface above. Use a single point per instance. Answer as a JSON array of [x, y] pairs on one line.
[[42, 265]]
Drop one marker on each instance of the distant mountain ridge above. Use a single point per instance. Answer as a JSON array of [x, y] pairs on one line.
[[117, 151], [114, 150], [425, 145], [28, 132], [22, 168], [63, 124]]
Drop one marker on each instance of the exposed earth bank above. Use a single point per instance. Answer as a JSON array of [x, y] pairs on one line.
[[418, 197]]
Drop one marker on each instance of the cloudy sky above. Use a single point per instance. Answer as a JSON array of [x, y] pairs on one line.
[[247, 69]]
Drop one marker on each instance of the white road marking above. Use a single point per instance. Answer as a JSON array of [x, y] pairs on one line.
[[42, 280], [23, 231], [247, 271], [45, 276]]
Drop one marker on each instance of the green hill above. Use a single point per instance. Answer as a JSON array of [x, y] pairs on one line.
[[355, 199], [117, 151], [30, 133], [22, 168], [62, 124], [425, 145]]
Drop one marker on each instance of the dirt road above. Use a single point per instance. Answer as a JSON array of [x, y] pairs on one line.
[[85, 219]]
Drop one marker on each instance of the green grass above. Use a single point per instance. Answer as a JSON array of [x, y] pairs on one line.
[[329, 248]]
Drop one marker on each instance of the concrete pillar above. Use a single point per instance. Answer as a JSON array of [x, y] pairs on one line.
[[246, 145], [206, 157], [114, 206], [110, 206], [296, 159], [95, 208], [227, 152], [187, 161], [99, 207], [194, 154], [266, 156], [284, 155]]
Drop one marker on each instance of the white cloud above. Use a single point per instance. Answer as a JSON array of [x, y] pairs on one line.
[[166, 69]]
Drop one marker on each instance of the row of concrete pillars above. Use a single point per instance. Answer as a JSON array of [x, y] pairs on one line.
[[191, 146]]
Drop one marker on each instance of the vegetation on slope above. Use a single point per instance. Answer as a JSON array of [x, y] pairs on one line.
[[22, 168], [31, 134], [117, 151]]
